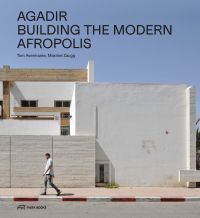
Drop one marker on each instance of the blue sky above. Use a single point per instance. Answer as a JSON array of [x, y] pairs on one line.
[[133, 59]]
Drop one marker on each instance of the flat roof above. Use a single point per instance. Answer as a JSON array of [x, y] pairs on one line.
[[39, 74]]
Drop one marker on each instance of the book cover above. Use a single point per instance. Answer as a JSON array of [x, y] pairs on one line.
[[98, 98]]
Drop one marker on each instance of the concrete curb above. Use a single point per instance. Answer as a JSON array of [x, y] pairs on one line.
[[96, 199]]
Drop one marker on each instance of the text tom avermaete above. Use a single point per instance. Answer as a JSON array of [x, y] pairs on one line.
[[49, 55], [50, 29]]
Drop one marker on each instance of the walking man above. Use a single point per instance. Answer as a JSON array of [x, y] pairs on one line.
[[49, 174]]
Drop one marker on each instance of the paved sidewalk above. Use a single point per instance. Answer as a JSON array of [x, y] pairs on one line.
[[98, 192], [103, 194]]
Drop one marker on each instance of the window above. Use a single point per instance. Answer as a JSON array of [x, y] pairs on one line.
[[64, 115], [1, 106], [65, 130], [62, 103], [58, 104], [29, 103], [66, 103], [103, 172]]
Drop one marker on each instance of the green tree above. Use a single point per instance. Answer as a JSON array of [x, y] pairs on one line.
[[198, 135]]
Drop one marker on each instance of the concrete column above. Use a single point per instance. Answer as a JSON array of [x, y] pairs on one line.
[[6, 95], [191, 130], [90, 71], [6, 100]]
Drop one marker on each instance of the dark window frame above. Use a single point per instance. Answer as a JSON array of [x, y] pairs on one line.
[[1, 104], [29, 103], [65, 115], [64, 130], [62, 103]]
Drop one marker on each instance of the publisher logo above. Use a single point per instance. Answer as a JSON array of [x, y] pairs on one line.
[[31, 207]]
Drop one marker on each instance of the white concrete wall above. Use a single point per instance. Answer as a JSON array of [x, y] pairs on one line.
[[29, 127], [191, 128], [44, 92], [73, 113], [140, 129], [190, 174]]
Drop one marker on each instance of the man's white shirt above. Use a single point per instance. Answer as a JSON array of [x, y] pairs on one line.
[[49, 165]]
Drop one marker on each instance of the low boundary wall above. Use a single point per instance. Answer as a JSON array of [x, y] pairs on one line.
[[22, 160]]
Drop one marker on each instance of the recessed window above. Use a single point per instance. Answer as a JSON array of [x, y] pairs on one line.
[[29, 103], [1, 106], [66, 103], [65, 130], [62, 103], [102, 172]]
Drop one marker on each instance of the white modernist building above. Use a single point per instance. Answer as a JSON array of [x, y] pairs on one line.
[[130, 134]]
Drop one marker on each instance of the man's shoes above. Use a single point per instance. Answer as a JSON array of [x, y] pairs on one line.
[[58, 193], [44, 193]]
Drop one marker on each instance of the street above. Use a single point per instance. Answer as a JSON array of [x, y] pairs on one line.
[[99, 210]]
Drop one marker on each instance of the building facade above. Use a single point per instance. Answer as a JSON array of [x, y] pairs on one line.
[[130, 134]]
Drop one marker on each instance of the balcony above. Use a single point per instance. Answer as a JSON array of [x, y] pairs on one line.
[[41, 109]]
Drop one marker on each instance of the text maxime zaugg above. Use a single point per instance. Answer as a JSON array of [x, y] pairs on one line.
[[50, 29]]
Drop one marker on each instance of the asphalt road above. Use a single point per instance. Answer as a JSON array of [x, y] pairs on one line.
[[100, 210]]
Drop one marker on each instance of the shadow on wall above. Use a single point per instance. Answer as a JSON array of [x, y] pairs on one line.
[[17, 94], [102, 159]]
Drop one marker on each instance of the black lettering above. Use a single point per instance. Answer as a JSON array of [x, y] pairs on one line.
[[38, 42], [21, 30], [157, 28], [29, 42], [140, 29], [21, 44], [130, 29], [21, 16], [63, 16], [47, 43], [41, 16], [87, 43], [67, 43], [118, 31], [167, 29], [149, 30], [49, 16], [87, 29], [57, 42], [30, 16]]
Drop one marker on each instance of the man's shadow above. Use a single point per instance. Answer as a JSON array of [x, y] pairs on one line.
[[66, 194]]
